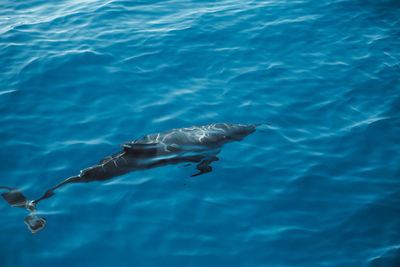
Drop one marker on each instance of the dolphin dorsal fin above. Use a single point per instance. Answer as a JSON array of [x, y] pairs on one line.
[[130, 146]]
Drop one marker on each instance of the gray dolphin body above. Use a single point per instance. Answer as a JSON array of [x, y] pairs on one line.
[[170, 147], [198, 144]]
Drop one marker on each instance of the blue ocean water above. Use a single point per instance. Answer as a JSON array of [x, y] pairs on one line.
[[320, 186]]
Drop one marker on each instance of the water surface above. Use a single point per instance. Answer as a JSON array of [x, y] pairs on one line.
[[319, 187]]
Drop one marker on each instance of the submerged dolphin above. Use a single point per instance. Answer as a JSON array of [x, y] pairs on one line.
[[197, 144]]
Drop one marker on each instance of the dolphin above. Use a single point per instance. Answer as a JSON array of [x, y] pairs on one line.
[[196, 144]]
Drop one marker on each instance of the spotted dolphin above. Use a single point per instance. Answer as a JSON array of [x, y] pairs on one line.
[[196, 144]]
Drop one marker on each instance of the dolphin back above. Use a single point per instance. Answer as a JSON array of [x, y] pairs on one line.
[[195, 138]]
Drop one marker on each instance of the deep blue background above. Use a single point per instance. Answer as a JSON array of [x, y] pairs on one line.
[[319, 187]]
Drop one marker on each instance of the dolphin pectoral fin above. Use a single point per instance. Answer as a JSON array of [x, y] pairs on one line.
[[204, 166]]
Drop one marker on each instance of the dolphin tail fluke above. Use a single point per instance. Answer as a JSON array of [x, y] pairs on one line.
[[15, 198]]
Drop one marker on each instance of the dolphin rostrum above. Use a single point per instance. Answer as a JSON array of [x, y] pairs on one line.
[[197, 144]]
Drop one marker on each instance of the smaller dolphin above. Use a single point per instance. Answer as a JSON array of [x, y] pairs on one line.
[[197, 144]]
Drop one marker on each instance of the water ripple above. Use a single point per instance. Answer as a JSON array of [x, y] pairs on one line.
[[318, 186]]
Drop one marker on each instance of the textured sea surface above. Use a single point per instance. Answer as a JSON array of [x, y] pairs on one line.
[[320, 186]]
